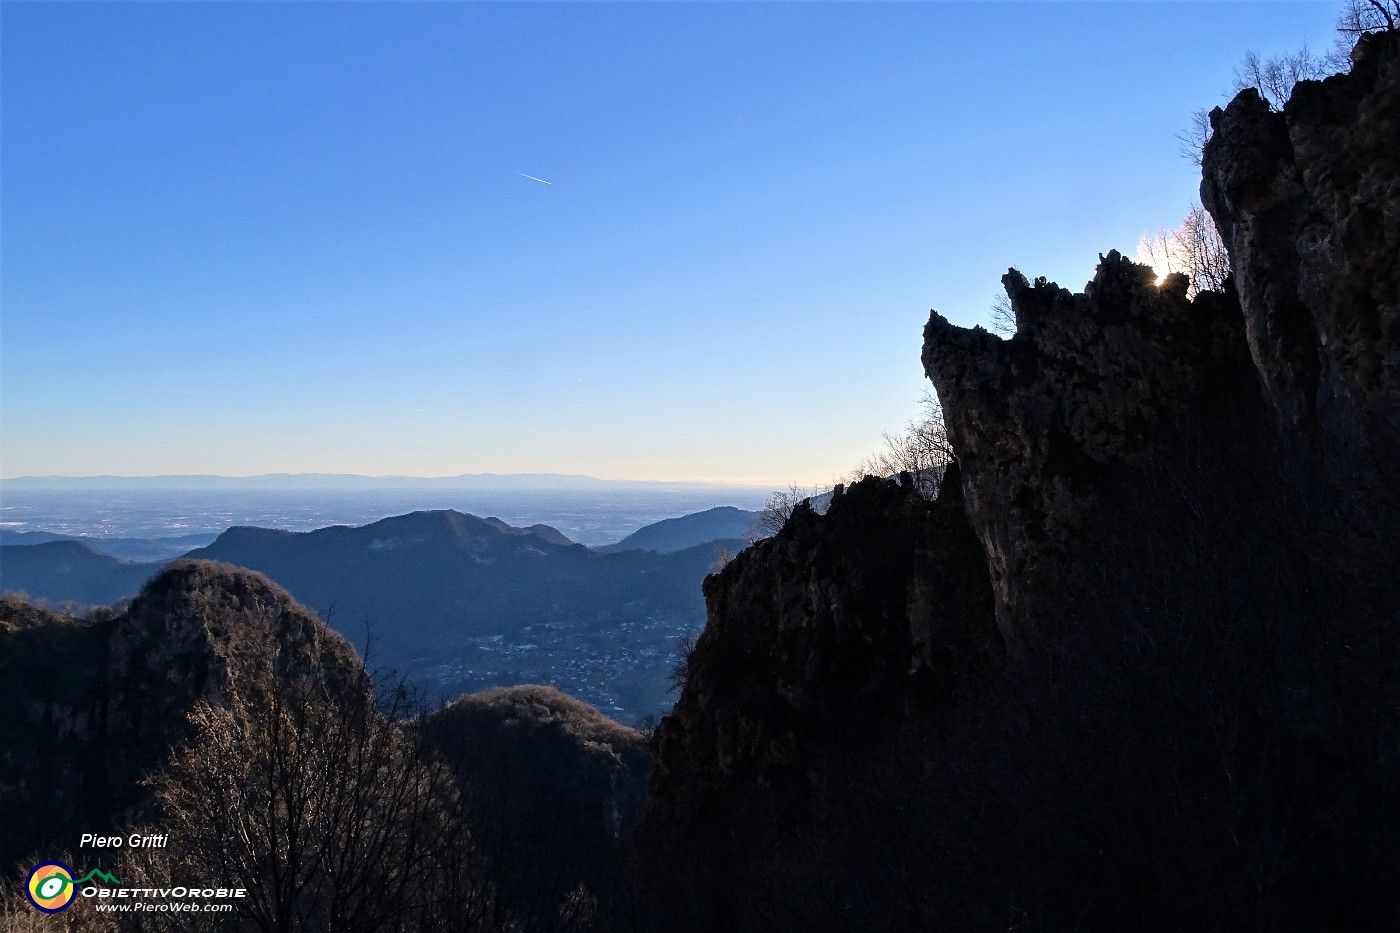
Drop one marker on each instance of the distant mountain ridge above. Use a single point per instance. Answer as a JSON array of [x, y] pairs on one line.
[[477, 481], [724, 523], [458, 602], [65, 570], [81, 571], [441, 572], [167, 547]]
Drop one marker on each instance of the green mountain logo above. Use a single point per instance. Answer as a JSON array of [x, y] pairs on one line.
[[99, 874]]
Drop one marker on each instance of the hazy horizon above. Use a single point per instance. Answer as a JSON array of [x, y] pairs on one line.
[[247, 239], [536, 480], [592, 515]]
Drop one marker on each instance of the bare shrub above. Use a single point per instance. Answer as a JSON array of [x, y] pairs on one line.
[[322, 808], [680, 670], [920, 449], [1003, 317], [1362, 16], [774, 515], [1195, 249], [1275, 76], [724, 553]]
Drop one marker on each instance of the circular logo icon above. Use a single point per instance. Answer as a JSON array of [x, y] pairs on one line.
[[50, 887]]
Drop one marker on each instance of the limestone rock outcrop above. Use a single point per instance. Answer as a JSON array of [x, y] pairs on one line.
[[843, 628], [1160, 582], [90, 708], [1308, 202], [1054, 426]]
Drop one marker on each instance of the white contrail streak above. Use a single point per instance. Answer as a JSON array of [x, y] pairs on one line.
[[533, 178]]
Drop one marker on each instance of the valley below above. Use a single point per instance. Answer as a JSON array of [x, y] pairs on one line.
[[451, 602]]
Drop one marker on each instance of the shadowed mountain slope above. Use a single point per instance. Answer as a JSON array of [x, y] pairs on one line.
[[1139, 664], [724, 523], [428, 580], [557, 784], [139, 550], [70, 570], [423, 584], [90, 708]]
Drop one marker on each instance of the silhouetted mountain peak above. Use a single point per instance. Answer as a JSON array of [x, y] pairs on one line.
[[434, 528], [90, 708], [62, 548], [242, 534], [546, 532], [721, 523]]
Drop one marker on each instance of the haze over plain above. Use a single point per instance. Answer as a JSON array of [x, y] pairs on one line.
[[265, 238]]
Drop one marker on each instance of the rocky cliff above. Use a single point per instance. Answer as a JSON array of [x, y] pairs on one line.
[[839, 630], [1138, 666], [1308, 201], [90, 708]]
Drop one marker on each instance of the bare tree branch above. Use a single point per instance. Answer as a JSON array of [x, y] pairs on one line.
[[1194, 249]]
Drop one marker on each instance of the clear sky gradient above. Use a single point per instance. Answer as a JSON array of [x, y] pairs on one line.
[[284, 237]]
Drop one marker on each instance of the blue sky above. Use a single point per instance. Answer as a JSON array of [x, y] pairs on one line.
[[295, 237]]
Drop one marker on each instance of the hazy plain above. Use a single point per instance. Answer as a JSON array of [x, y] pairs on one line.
[[591, 517]]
